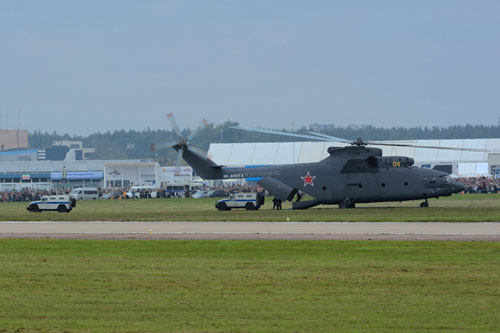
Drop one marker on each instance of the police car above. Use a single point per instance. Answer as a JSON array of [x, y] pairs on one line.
[[247, 200], [60, 203]]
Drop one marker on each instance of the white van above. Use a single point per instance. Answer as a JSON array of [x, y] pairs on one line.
[[84, 193], [135, 191]]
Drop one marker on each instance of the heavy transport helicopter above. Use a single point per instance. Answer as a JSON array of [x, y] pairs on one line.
[[349, 175]]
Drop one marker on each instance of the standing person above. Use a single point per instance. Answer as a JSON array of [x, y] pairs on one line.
[[275, 203], [278, 204]]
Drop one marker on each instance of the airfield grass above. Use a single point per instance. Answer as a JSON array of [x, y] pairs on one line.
[[148, 286], [461, 208]]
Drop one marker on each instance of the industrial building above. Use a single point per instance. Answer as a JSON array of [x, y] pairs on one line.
[[46, 175], [65, 165], [59, 151], [13, 139]]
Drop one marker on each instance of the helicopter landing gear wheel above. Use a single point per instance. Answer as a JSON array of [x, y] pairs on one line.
[[346, 204], [424, 204]]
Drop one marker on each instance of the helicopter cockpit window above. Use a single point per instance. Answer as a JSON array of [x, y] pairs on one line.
[[445, 179]]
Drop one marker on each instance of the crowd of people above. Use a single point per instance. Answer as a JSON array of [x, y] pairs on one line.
[[472, 185], [234, 188], [480, 184], [25, 195]]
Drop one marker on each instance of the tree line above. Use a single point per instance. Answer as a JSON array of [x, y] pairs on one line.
[[133, 144]]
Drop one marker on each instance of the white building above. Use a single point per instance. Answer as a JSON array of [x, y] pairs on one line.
[[175, 174], [16, 175], [129, 173]]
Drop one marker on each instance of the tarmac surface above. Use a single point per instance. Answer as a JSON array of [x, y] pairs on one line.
[[481, 231]]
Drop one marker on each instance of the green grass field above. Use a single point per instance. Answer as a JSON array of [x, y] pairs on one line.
[[148, 286], [466, 208]]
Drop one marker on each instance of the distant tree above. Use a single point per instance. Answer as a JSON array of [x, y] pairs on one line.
[[134, 144]]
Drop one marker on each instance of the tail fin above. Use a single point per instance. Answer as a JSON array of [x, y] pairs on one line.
[[204, 167]]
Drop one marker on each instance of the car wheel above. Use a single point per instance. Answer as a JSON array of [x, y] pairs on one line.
[[249, 206], [62, 209], [34, 209], [222, 206]]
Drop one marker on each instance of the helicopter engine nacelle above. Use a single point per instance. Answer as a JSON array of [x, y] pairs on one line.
[[396, 162], [277, 188]]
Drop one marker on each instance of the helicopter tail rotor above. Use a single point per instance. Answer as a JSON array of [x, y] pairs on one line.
[[173, 123], [201, 126], [181, 143], [160, 146]]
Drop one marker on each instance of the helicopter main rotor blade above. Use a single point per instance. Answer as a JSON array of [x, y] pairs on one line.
[[199, 151], [324, 137], [331, 138], [426, 147], [173, 122], [163, 145], [203, 124], [304, 136]]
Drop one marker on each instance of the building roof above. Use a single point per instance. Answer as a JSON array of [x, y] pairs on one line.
[[55, 166], [242, 154]]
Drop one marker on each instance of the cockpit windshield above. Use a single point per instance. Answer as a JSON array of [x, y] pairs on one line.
[[445, 179]]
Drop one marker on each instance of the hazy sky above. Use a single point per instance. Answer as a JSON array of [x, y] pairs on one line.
[[86, 66]]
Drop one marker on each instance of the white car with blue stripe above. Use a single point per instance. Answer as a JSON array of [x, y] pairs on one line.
[[59, 203], [247, 200]]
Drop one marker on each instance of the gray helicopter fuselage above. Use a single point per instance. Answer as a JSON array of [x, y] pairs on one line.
[[356, 174], [330, 186], [349, 175]]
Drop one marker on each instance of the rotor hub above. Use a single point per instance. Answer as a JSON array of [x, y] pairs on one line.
[[182, 144], [359, 142]]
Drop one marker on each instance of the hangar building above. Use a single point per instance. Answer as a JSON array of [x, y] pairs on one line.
[[16, 175], [460, 163]]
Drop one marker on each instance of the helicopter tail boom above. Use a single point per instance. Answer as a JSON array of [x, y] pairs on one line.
[[203, 166]]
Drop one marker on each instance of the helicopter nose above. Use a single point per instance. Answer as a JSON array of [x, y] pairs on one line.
[[457, 187]]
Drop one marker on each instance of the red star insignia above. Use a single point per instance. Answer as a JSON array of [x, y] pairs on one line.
[[308, 179]]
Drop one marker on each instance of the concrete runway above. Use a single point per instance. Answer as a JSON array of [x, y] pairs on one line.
[[253, 230]]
